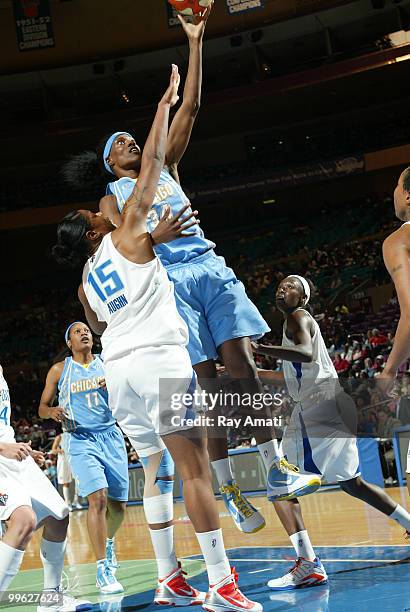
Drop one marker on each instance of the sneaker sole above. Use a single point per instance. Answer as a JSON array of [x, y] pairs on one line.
[[311, 487], [226, 607], [299, 586], [177, 601], [255, 530]]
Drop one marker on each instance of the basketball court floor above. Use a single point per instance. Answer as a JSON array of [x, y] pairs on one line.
[[365, 554]]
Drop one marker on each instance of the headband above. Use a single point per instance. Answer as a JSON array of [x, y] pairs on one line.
[[305, 285], [108, 146], [67, 331]]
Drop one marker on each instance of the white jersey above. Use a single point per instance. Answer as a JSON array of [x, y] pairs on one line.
[[302, 379], [6, 431], [135, 300]]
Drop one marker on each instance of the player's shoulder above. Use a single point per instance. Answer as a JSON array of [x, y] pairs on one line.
[[299, 318], [107, 202], [400, 237], [56, 370]]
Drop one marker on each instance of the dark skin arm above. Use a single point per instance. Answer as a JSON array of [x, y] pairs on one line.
[[396, 254], [271, 377], [98, 327], [299, 328], [183, 122], [45, 409], [131, 238]]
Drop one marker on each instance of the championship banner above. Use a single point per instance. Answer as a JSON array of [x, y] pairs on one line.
[[287, 177], [172, 16], [242, 6], [33, 24]]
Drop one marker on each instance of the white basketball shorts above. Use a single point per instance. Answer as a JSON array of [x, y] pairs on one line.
[[152, 394], [317, 441], [22, 483]]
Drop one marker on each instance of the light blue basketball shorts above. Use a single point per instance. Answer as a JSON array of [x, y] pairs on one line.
[[99, 461], [214, 305]]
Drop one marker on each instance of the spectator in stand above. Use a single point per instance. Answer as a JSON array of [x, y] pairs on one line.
[[379, 364], [369, 368], [359, 352], [342, 366], [377, 339], [347, 352], [386, 423]]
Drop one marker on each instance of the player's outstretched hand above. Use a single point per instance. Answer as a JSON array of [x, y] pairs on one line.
[[171, 96], [388, 385], [170, 228], [16, 450], [57, 414], [38, 457], [195, 31]]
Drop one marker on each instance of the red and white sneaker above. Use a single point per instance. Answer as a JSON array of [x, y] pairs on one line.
[[175, 591], [225, 595], [303, 574]]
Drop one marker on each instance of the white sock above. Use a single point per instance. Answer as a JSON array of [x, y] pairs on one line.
[[66, 495], [302, 545], [75, 500], [163, 545], [223, 471], [269, 452], [401, 515], [52, 557], [10, 561], [213, 551]]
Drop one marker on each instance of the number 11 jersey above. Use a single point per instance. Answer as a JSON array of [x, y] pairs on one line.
[[135, 300], [85, 402]]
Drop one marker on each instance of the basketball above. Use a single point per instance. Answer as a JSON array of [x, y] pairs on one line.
[[190, 7]]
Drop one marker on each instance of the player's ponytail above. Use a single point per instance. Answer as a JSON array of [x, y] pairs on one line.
[[72, 246]]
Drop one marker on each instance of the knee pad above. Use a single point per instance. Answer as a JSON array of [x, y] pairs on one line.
[[159, 509]]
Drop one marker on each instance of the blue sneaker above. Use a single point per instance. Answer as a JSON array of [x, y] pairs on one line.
[[106, 580], [245, 516], [111, 556], [303, 574], [285, 482]]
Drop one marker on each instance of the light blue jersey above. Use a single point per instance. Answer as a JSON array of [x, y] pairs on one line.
[[86, 403], [169, 195], [94, 445]]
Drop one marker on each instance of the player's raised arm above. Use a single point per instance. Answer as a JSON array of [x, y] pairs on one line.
[[396, 253], [98, 327], [136, 208], [46, 409], [183, 122]]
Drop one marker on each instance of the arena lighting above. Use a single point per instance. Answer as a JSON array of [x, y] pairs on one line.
[[399, 38], [273, 201]]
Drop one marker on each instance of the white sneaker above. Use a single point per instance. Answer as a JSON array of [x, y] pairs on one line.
[[245, 516], [106, 580], [285, 482], [303, 574], [54, 600], [174, 590]]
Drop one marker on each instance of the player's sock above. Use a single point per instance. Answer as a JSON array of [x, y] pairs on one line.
[[401, 515], [163, 545], [302, 545], [66, 495], [269, 451], [223, 471], [52, 557], [10, 561], [213, 551], [75, 500]]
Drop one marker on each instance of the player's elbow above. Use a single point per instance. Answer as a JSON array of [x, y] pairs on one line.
[[307, 357], [195, 106]]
